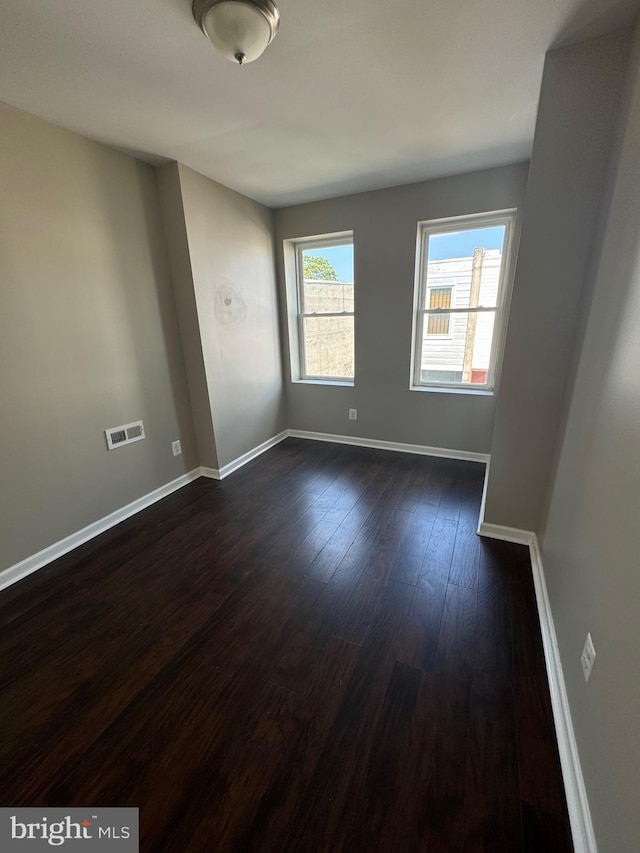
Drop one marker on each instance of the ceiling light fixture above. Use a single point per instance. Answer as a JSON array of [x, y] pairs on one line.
[[239, 29]]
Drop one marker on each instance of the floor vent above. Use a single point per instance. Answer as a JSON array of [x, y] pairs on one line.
[[127, 434]]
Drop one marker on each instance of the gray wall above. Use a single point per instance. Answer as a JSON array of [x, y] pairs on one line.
[[232, 311], [590, 547], [187, 310], [575, 127], [88, 336], [384, 223]]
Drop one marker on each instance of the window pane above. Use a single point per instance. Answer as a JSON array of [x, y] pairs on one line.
[[465, 355], [328, 347], [468, 261], [328, 278], [321, 297]]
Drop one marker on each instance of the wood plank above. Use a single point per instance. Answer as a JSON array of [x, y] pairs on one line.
[[383, 811], [492, 803], [443, 787], [417, 642], [439, 553], [466, 557], [413, 547], [332, 554], [544, 816], [456, 648], [354, 622], [325, 814]]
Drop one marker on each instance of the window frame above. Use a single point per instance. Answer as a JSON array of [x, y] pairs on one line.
[[342, 238], [471, 222]]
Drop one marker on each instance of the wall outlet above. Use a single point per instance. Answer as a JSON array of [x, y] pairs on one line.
[[176, 448], [588, 657], [353, 414]]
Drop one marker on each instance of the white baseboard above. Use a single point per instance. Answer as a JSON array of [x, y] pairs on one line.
[[584, 840], [230, 467], [58, 549], [507, 534], [485, 487], [210, 473], [577, 803], [379, 444]]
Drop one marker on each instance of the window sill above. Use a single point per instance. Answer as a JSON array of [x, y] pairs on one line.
[[340, 383], [480, 392]]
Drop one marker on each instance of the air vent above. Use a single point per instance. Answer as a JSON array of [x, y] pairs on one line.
[[127, 434]]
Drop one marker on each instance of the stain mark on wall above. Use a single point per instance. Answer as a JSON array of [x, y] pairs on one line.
[[229, 306]]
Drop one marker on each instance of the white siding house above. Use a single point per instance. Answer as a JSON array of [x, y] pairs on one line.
[[444, 335]]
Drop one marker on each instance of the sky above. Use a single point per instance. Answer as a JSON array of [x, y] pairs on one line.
[[340, 258], [453, 244], [460, 244]]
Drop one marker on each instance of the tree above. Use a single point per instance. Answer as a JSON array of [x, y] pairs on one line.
[[319, 269]]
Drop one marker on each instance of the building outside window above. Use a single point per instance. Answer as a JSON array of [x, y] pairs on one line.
[[461, 298]]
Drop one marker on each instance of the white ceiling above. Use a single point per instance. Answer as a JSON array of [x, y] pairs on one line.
[[352, 94]]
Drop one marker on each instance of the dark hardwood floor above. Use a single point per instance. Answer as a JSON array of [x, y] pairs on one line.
[[316, 654]]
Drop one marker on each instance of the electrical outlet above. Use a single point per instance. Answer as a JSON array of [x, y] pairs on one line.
[[588, 657], [176, 447], [353, 414]]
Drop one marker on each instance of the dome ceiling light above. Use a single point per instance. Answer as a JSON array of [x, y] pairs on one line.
[[239, 29]]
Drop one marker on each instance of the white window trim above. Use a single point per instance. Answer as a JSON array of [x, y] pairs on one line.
[[293, 250], [508, 218]]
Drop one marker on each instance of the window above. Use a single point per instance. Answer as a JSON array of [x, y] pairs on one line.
[[325, 308], [461, 295], [439, 298]]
